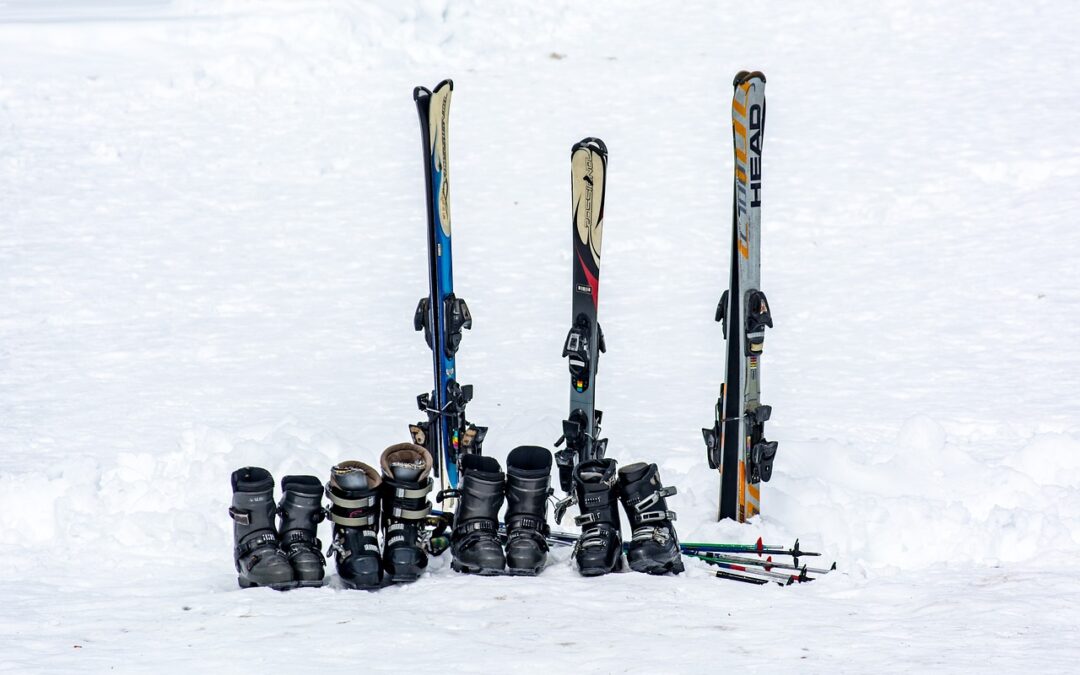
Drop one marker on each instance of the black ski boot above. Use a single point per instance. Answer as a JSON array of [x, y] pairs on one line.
[[474, 541], [301, 511], [354, 509], [258, 557], [528, 485], [406, 470], [599, 547], [654, 548]]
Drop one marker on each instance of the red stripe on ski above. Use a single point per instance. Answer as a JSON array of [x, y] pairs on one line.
[[594, 285]]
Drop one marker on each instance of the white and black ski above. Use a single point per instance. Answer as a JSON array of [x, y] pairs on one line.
[[441, 315], [736, 443], [585, 341]]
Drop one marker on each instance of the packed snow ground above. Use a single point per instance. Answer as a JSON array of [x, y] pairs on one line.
[[211, 245]]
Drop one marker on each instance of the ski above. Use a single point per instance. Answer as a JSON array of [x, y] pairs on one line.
[[441, 315], [585, 341], [735, 444]]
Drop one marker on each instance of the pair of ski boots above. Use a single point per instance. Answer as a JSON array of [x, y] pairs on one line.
[[474, 541], [598, 488], [276, 544], [364, 501]]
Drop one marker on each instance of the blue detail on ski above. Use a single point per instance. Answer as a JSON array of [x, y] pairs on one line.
[[447, 367]]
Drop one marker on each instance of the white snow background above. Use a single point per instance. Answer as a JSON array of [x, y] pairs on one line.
[[212, 242]]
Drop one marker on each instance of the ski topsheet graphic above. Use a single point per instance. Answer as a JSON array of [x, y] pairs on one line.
[[585, 341], [736, 444], [442, 316]]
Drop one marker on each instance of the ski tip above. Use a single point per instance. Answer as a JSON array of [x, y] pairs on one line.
[[590, 143], [833, 566], [744, 76], [445, 83], [420, 92]]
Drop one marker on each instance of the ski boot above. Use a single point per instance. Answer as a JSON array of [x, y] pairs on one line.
[[354, 509], [406, 482], [474, 541], [258, 557], [654, 548], [301, 511], [528, 485], [599, 547]]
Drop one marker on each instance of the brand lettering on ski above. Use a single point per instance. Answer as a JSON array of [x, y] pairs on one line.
[[756, 115], [585, 206]]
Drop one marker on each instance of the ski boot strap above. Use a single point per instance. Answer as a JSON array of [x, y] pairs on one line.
[[525, 521], [652, 517], [595, 536], [472, 531], [241, 516], [410, 514], [338, 546], [660, 535], [647, 502], [256, 546], [301, 541], [560, 506], [412, 492], [448, 493], [317, 516]]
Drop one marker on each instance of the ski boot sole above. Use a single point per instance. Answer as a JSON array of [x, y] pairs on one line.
[[352, 585], [524, 571], [402, 578], [673, 567], [280, 586], [480, 571], [311, 583]]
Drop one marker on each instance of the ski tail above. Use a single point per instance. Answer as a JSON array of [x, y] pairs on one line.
[[585, 341]]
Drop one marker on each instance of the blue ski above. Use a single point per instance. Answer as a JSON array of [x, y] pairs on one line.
[[442, 316]]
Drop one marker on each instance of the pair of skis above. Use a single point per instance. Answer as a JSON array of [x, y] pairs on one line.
[[736, 444], [442, 316]]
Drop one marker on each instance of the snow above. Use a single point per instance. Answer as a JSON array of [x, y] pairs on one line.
[[211, 245]]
